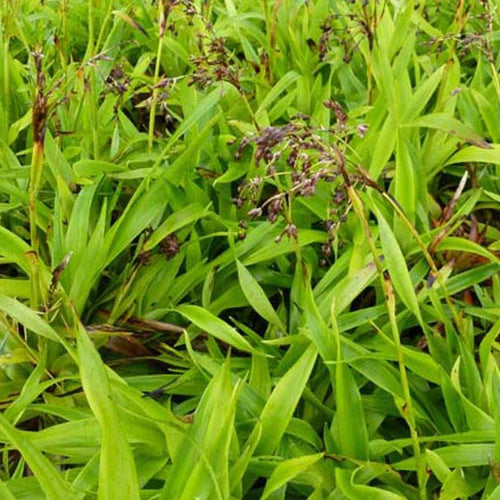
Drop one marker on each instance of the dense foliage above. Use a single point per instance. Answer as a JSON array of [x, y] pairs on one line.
[[249, 249]]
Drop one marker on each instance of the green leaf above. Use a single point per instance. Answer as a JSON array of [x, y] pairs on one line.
[[5, 493], [437, 465], [473, 154], [355, 491], [89, 168], [455, 244], [405, 182], [455, 487], [27, 317], [214, 326], [422, 95], [349, 425], [278, 88], [383, 148], [450, 125], [202, 108], [396, 264], [116, 464], [233, 173], [462, 455], [280, 406], [50, 479], [288, 470], [136, 218], [13, 248], [201, 469], [176, 221], [270, 249], [256, 296]]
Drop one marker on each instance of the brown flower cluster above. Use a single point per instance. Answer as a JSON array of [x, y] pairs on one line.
[[293, 159], [118, 81], [214, 63]]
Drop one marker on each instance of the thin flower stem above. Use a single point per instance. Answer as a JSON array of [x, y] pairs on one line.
[[154, 97], [391, 309]]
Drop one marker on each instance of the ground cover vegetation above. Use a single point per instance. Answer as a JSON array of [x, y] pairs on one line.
[[249, 249]]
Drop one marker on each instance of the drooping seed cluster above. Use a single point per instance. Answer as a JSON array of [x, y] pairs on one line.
[[292, 161]]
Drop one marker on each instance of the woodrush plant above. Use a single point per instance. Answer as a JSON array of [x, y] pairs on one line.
[[249, 250]]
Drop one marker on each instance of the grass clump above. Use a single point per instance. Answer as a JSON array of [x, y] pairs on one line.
[[249, 249]]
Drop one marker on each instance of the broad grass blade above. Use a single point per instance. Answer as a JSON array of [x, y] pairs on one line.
[[280, 406], [116, 465], [214, 326], [50, 479], [256, 296], [288, 470]]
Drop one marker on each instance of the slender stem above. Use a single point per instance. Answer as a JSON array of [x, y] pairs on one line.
[[103, 31], [391, 308], [39, 125], [407, 410], [154, 97], [263, 4], [6, 77], [90, 45], [34, 188], [250, 110], [428, 258], [35, 179], [491, 52]]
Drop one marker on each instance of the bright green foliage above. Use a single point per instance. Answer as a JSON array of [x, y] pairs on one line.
[[249, 249]]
